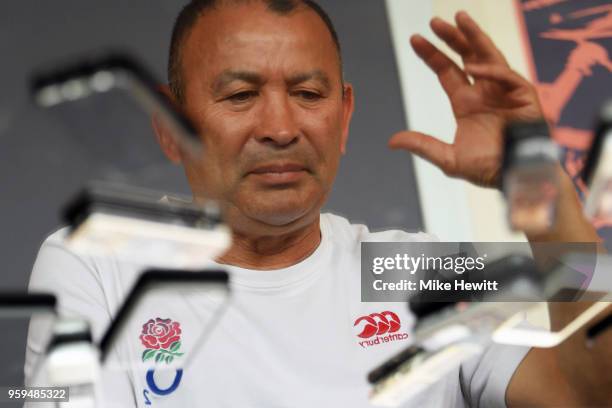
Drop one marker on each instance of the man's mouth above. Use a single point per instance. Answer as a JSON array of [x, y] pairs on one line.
[[279, 173]]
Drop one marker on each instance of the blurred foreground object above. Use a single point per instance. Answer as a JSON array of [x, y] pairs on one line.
[[118, 217], [530, 180], [135, 225], [597, 171], [40, 308], [91, 76], [72, 361]]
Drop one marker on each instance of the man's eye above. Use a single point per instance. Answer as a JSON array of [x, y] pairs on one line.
[[308, 96], [242, 96]]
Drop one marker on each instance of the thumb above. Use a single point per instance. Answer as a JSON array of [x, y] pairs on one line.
[[427, 147]]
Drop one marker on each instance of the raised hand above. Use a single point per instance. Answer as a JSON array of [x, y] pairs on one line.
[[485, 95]]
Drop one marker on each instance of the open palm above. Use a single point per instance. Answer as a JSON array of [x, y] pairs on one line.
[[482, 108]]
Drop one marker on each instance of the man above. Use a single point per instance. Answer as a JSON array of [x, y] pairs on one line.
[[262, 81]]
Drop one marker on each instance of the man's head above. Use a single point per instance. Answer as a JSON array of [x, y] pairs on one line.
[[189, 15], [262, 81]]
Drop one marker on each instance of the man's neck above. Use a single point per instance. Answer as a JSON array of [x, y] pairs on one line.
[[273, 252]]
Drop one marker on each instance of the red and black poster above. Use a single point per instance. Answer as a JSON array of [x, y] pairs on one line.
[[569, 47]]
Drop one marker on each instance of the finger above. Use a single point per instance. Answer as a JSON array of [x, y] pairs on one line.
[[504, 76], [449, 74], [481, 43], [452, 36], [427, 147]]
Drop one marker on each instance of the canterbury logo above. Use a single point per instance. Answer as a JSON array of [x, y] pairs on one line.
[[377, 324]]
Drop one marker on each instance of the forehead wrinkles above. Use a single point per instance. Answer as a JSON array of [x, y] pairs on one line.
[[267, 54]]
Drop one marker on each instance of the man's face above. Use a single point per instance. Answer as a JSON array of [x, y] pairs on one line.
[[266, 95]]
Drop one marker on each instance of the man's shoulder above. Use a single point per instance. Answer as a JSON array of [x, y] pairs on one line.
[[57, 237], [55, 257], [342, 229], [57, 246]]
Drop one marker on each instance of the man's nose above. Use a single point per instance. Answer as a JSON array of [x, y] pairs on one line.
[[277, 122]]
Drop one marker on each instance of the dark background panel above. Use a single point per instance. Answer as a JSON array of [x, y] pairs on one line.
[[41, 165], [551, 56]]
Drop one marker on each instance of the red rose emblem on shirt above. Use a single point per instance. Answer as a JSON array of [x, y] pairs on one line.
[[162, 339], [160, 333]]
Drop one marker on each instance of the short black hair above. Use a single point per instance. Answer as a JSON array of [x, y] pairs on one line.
[[195, 8]]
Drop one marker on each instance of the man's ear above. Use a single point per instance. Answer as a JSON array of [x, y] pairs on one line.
[[165, 139], [348, 106]]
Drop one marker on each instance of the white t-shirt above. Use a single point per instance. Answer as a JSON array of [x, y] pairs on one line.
[[287, 339]]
